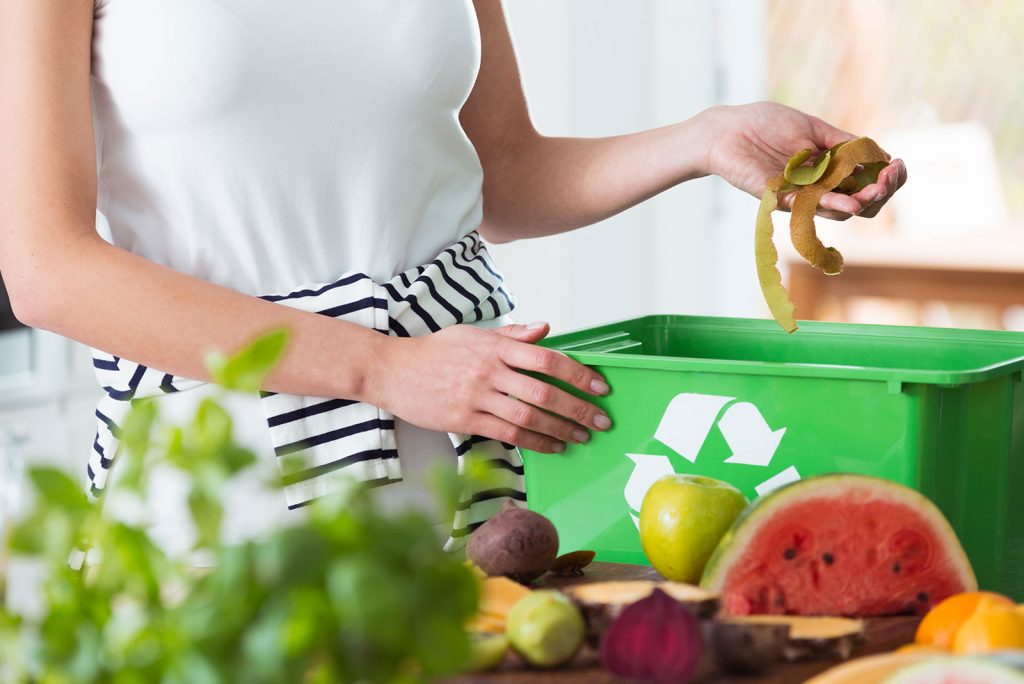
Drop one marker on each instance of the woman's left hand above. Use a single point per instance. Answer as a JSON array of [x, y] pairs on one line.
[[748, 144]]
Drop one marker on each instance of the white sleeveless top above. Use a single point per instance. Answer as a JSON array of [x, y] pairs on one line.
[[260, 145]]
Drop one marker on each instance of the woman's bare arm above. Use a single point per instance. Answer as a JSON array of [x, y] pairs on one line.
[[536, 185], [61, 276]]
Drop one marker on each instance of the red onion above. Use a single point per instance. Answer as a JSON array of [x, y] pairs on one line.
[[656, 639]]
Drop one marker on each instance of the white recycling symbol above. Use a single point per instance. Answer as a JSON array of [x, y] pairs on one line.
[[685, 426]]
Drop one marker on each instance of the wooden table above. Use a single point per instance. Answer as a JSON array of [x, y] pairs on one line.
[[884, 634], [985, 269]]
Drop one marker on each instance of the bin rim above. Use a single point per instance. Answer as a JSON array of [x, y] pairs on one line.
[[570, 342]]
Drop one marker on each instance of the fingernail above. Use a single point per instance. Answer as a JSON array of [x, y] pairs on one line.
[[535, 326], [602, 422], [581, 436], [557, 448], [599, 387]]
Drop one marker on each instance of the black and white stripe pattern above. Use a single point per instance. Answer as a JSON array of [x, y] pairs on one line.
[[340, 439]]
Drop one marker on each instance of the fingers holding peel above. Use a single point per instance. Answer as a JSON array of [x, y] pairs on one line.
[[866, 203]]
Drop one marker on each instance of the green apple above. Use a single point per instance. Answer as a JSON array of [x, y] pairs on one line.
[[682, 519], [545, 628], [486, 651]]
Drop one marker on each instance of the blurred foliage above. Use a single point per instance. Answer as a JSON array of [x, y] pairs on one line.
[[345, 595]]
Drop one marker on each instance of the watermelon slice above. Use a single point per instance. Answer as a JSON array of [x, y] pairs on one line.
[[838, 545]]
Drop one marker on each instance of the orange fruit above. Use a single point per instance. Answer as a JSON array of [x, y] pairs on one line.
[[939, 626], [991, 628]]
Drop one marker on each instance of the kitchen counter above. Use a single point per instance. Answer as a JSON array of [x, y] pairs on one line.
[[884, 634]]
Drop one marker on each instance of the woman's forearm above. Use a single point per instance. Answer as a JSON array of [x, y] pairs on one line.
[[59, 273], [546, 185], [457, 380], [536, 185], [131, 307]]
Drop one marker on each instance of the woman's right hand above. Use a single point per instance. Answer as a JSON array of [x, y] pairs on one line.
[[468, 380]]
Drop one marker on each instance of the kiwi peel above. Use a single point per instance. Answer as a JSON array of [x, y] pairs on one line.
[[767, 258], [848, 167], [805, 203], [798, 174]]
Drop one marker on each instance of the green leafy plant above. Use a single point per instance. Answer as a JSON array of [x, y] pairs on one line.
[[346, 595]]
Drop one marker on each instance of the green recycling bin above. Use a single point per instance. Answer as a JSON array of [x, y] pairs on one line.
[[939, 410]]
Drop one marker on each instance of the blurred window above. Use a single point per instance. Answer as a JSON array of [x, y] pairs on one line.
[[887, 67]]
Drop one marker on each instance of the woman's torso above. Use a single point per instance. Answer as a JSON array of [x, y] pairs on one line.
[[262, 145]]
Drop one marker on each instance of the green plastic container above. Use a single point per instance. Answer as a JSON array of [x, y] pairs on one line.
[[939, 410]]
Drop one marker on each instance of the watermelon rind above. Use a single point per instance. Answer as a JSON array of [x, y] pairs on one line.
[[733, 545], [873, 669], [953, 669], [1013, 657]]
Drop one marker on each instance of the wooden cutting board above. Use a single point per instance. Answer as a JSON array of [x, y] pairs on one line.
[[883, 634]]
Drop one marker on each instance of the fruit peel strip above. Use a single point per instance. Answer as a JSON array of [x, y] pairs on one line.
[[805, 203], [767, 257], [805, 175], [855, 163]]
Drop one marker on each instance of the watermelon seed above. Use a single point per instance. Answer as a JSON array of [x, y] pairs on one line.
[[922, 597], [789, 554], [896, 568], [828, 558]]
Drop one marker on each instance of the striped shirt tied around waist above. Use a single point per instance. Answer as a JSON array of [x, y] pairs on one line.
[[339, 440]]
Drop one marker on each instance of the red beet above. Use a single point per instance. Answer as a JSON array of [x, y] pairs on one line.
[[655, 640]]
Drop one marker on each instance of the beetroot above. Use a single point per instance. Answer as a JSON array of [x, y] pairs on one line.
[[654, 640], [517, 543]]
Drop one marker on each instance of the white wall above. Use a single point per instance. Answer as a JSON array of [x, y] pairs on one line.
[[606, 67], [47, 398]]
